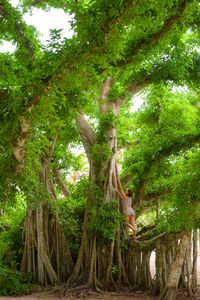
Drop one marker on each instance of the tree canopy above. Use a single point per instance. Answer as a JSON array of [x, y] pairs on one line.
[[80, 91]]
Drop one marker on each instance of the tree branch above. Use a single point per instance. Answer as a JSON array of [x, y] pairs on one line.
[[151, 240], [60, 182], [159, 35], [119, 20], [145, 210], [86, 132], [134, 88], [188, 141], [45, 173], [128, 146], [131, 90], [19, 148], [17, 27], [36, 2], [104, 95], [140, 197], [52, 147], [126, 180]]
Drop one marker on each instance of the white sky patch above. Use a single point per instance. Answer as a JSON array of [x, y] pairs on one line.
[[7, 47], [53, 19], [182, 89], [197, 49], [14, 2], [137, 102], [43, 21], [77, 150]]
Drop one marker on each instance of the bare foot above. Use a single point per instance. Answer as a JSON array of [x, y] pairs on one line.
[[134, 232]]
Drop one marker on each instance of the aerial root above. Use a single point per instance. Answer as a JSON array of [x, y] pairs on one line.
[[83, 291]]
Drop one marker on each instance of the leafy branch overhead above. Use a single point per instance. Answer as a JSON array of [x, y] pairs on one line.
[[80, 93]]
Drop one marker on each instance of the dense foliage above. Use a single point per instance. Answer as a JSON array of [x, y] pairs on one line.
[[79, 92]]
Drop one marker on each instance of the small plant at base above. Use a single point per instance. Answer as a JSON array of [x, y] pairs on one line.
[[15, 282], [114, 270]]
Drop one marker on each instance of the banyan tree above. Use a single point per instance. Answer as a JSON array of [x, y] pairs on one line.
[[82, 89]]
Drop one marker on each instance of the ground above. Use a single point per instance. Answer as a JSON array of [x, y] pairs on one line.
[[135, 296], [46, 294]]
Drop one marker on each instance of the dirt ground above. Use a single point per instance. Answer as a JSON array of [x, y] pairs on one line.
[[136, 295], [34, 297], [45, 296], [132, 296]]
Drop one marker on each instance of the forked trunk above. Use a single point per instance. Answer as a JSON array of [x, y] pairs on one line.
[[99, 263], [97, 256]]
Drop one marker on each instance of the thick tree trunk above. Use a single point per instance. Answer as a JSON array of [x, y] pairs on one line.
[[100, 263], [169, 291], [188, 258], [98, 256], [199, 240], [194, 263], [46, 253], [146, 280], [159, 278], [188, 278]]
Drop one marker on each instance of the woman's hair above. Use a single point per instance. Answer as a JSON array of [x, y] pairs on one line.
[[130, 193]]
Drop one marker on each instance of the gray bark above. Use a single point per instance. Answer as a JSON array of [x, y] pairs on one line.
[[169, 291], [60, 182], [194, 263], [46, 253]]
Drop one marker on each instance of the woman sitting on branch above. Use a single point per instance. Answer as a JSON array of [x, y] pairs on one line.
[[128, 211]]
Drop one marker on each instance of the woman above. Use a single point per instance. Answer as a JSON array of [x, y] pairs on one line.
[[127, 209]]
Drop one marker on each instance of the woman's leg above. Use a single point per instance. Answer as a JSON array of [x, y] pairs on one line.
[[128, 217], [132, 219]]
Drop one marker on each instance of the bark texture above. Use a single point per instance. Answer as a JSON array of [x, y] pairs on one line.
[[169, 291], [46, 253], [95, 260], [101, 263], [194, 263]]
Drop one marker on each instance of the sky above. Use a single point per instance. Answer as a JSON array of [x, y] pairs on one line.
[[43, 21], [52, 19]]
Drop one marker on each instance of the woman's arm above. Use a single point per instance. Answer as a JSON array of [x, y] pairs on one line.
[[120, 195], [121, 191]]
